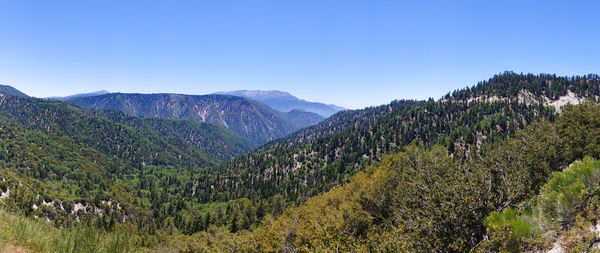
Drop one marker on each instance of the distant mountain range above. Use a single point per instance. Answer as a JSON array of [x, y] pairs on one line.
[[253, 120], [285, 102], [88, 94]]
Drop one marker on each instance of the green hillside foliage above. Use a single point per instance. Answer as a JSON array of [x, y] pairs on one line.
[[423, 199], [558, 206], [321, 157], [510, 84], [144, 145], [217, 142], [301, 119], [74, 165], [17, 232], [459, 174], [299, 171]]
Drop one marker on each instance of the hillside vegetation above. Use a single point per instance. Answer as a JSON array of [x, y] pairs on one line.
[[11, 91], [318, 158], [72, 165], [421, 199], [495, 167], [568, 204], [20, 233]]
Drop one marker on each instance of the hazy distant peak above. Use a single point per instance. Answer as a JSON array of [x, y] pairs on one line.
[[285, 102], [259, 93], [79, 95]]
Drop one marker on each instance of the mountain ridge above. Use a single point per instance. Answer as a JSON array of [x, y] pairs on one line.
[[86, 94], [285, 102], [253, 120], [12, 91]]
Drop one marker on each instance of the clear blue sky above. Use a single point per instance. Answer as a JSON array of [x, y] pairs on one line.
[[351, 53]]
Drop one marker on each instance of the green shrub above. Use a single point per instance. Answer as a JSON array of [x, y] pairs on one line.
[[565, 194], [508, 230], [555, 208]]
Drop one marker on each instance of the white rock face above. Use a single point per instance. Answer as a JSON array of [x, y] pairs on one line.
[[5, 194], [51, 203], [485, 99], [525, 97], [77, 207], [596, 229], [570, 98], [556, 247]]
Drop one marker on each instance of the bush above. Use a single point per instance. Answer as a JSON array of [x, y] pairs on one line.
[[555, 208], [508, 230]]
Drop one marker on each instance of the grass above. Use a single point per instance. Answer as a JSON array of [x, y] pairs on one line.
[[36, 235]]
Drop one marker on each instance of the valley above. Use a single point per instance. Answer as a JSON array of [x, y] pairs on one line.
[[459, 173], [299, 126]]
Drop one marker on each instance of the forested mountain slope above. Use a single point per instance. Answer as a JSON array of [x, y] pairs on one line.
[[301, 119], [9, 90], [219, 143], [347, 120], [422, 199], [320, 157], [73, 165], [542, 86], [145, 141], [250, 119]]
